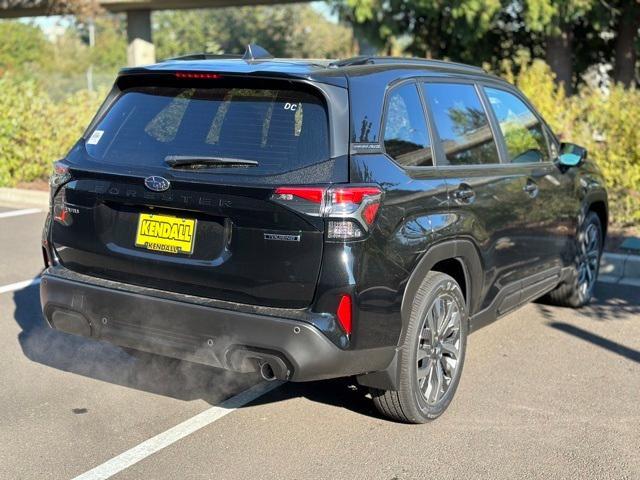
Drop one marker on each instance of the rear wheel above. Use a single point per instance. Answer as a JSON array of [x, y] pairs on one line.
[[431, 355], [578, 291]]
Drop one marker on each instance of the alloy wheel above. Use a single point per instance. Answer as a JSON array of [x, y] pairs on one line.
[[439, 348], [589, 256]]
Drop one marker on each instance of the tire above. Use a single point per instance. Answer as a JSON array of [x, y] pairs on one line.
[[578, 290], [418, 400]]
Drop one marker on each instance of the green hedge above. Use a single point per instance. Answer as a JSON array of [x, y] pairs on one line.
[[606, 123], [35, 130]]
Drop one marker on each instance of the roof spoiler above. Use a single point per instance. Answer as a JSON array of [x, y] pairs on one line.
[[253, 52]]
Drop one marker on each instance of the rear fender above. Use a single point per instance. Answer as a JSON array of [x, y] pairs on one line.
[[466, 253], [462, 250]]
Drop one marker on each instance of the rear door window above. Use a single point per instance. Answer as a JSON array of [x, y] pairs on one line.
[[406, 138], [522, 131], [461, 123], [283, 130]]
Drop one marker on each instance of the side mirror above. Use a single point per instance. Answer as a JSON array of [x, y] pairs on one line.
[[571, 155]]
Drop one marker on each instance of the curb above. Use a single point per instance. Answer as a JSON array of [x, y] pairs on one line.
[[24, 198], [620, 268]]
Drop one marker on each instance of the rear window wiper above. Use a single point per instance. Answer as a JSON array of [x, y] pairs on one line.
[[190, 161]]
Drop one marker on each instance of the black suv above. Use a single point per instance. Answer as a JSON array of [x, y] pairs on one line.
[[311, 220]]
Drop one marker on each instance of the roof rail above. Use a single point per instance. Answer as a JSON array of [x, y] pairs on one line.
[[369, 60]]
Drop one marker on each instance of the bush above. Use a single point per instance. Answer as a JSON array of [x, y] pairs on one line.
[[607, 123], [36, 130], [22, 46]]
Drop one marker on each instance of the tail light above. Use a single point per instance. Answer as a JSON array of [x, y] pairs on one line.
[[198, 75], [61, 213], [60, 174], [59, 177], [350, 210]]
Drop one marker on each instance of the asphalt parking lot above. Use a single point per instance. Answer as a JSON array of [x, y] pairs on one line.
[[546, 393]]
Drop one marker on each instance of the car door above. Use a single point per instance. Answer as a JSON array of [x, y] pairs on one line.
[[549, 223], [487, 196]]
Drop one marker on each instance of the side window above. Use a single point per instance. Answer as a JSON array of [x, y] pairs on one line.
[[522, 131], [462, 124], [406, 138]]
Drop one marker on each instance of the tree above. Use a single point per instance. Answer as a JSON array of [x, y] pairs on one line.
[[110, 49], [571, 35], [557, 20], [459, 29], [626, 48], [22, 45], [82, 9], [291, 30]]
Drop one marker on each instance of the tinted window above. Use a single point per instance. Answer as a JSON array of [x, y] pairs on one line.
[[461, 123], [283, 130], [521, 129], [405, 132]]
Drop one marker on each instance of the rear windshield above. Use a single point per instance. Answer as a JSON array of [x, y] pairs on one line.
[[283, 130]]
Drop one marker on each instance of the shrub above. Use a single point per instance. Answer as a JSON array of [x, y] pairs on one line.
[[22, 46], [609, 126], [36, 130], [607, 123]]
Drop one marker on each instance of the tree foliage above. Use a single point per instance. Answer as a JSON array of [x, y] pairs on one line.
[[22, 46], [110, 50], [572, 35], [60, 64], [289, 31], [549, 16], [82, 9], [30, 139], [432, 28], [606, 123]]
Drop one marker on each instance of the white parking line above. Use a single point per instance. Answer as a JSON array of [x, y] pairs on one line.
[[19, 285], [17, 213], [168, 437]]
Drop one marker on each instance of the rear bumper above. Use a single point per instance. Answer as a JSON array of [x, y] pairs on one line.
[[222, 338]]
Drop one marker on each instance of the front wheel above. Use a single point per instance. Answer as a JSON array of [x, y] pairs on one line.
[[431, 355], [578, 290]]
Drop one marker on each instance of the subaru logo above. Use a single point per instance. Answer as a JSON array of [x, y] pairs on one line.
[[157, 184]]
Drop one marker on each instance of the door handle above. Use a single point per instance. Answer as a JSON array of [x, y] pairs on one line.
[[531, 188], [464, 194]]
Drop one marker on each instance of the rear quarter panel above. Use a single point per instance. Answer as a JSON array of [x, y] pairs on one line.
[[414, 211]]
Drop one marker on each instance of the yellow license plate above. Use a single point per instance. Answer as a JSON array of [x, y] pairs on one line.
[[163, 233]]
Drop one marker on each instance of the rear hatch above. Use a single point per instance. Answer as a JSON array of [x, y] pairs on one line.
[[171, 188]]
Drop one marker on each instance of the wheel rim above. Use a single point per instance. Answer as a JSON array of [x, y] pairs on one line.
[[589, 256], [439, 346]]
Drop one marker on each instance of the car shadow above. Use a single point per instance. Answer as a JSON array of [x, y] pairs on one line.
[[165, 376], [598, 340], [610, 302]]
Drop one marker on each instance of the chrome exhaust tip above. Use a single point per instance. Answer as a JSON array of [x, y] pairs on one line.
[[266, 371]]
